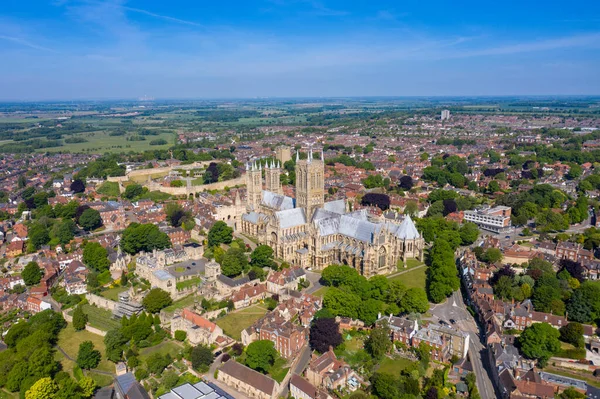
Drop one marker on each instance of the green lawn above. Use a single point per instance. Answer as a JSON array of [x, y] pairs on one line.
[[113, 293], [182, 303], [100, 318], [8, 395], [233, 323], [321, 292], [163, 348], [278, 371], [100, 142], [182, 285], [412, 279], [394, 366], [69, 340]]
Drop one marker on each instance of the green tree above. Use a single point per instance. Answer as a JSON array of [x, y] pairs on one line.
[[114, 340], [219, 234], [44, 388], [180, 335], [65, 231], [32, 274], [379, 343], [539, 341], [202, 357], [261, 355], [156, 300], [143, 237], [90, 219], [415, 300], [234, 262], [156, 363], [411, 209], [469, 233], [80, 318], [442, 274], [88, 357], [492, 255], [262, 256], [132, 191], [95, 256], [87, 386], [571, 393], [572, 334]]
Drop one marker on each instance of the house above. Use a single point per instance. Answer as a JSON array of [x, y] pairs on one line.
[[247, 381], [127, 387], [74, 278], [249, 294], [15, 249], [285, 279], [288, 338], [199, 330], [401, 329], [328, 372], [36, 305], [300, 388]]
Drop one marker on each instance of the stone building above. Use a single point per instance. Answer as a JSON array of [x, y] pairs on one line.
[[308, 232], [251, 383]]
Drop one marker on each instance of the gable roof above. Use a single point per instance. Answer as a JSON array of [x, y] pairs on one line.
[[248, 376], [198, 320]]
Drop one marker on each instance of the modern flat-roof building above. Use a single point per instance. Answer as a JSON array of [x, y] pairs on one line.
[[495, 219], [200, 390]]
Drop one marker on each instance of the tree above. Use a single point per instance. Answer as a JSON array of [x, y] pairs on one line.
[[38, 236], [406, 183], [32, 274], [324, 333], [411, 209], [469, 233], [572, 333], [492, 255], [77, 186], [571, 393], [385, 386], [90, 219], [202, 357], [219, 234], [176, 215], [65, 231], [234, 262], [156, 300], [132, 191], [143, 237], [114, 341], [95, 256], [124, 279], [415, 300], [88, 386], [379, 343], [442, 274], [88, 357], [180, 335], [80, 318], [262, 256], [44, 388], [342, 303], [156, 363], [212, 173], [539, 341], [260, 355], [381, 201]]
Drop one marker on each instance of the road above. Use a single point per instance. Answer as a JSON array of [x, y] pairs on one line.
[[304, 359], [454, 308], [315, 281]]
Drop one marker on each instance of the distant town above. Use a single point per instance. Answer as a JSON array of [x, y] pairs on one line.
[[302, 248]]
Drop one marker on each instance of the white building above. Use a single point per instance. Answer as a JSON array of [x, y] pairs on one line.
[[495, 219], [445, 114]]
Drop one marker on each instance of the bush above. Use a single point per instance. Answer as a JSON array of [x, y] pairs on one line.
[[180, 335]]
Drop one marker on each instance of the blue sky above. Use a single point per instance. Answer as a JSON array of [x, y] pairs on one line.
[[100, 49]]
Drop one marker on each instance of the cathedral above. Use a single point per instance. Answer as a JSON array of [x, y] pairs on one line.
[[308, 232]]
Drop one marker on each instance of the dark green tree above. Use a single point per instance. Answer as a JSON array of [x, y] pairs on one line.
[[80, 318], [32, 274], [261, 355], [95, 256], [379, 343], [201, 357], [262, 256], [219, 234], [539, 341], [143, 237], [90, 219], [156, 300], [88, 357]]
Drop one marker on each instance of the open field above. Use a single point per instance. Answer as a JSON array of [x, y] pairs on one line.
[[413, 279], [113, 293], [163, 348], [69, 341], [321, 292], [394, 366], [233, 323], [100, 318], [410, 263], [101, 142], [182, 303]]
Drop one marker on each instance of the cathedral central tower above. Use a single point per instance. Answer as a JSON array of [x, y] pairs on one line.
[[310, 184]]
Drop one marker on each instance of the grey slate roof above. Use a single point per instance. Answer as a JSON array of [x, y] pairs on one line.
[[291, 217], [358, 229], [277, 201], [338, 206]]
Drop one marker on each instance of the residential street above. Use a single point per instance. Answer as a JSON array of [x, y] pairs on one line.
[[454, 308]]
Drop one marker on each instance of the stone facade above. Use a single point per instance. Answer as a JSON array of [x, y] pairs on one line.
[[310, 233]]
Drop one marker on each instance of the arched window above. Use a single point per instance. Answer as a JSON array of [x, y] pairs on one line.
[[382, 257]]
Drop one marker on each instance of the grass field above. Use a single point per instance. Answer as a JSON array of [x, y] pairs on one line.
[[182, 303], [8, 395], [101, 142], [100, 318], [69, 340], [278, 371], [394, 366], [163, 348], [412, 279], [113, 293], [182, 285], [233, 323], [321, 292], [410, 263]]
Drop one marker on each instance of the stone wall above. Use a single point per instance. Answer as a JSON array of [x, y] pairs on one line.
[[101, 302]]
